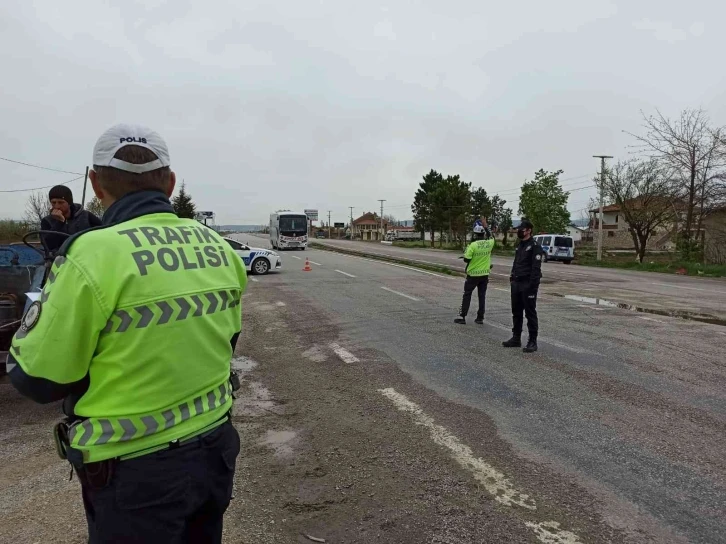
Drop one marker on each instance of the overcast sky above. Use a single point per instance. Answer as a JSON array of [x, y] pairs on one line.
[[329, 104]]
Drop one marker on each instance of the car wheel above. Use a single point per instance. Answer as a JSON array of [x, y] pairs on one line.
[[261, 267], [568, 261]]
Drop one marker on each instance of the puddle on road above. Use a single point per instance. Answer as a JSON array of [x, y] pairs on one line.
[[281, 442], [683, 314]]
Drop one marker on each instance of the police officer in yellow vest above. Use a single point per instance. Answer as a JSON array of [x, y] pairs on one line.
[[135, 329], [478, 258]]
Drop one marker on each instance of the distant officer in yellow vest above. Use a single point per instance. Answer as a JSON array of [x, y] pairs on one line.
[[135, 329], [478, 258]]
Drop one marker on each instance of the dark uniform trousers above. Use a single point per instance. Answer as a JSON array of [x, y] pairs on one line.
[[173, 496], [524, 301], [474, 282]]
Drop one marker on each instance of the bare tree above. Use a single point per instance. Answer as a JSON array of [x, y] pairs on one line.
[[95, 207], [36, 208], [645, 193], [695, 152]]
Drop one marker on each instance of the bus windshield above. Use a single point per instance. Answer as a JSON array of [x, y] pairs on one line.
[[293, 223]]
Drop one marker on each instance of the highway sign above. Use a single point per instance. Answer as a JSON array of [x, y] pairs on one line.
[[339, 225], [312, 214]]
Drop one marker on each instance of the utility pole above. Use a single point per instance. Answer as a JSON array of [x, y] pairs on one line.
[[381, 201], [602, 190], [328, 224], [350, 225], [85, 183]]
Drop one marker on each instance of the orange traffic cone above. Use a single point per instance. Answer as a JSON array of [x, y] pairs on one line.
[[307, 268]]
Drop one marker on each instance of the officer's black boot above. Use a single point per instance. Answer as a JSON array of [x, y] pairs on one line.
[[531, 346], [514, 342], [479, 321], [461, 320]]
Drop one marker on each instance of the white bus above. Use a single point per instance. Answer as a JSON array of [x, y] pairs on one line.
[[288, 230]]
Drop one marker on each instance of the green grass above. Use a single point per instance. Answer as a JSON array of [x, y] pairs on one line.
[[667, 264]]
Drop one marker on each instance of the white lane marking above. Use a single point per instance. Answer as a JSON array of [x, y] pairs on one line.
[[547, 340], [317, 264], [399, 266], [500, 289], [345, 355], [495, 482], [549, 532], [296, 257], [400, 294], [280, 304], [591, 307], [254, 280], [497, 274], [345, 273], [650, 319], [689, 288]]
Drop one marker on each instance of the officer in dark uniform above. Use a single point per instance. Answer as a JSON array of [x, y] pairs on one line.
[[525, 277]]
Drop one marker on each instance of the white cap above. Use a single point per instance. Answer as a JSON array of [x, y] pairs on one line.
[[122, 135], [478, 229]]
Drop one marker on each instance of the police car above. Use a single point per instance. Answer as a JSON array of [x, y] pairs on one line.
[[257, 260]]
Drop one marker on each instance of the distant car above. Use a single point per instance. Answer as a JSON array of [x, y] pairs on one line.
[[557, 247], [257, 260]]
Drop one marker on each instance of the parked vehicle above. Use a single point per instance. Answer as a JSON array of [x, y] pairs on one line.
[[257, 260], [22, 275], [557, 247]]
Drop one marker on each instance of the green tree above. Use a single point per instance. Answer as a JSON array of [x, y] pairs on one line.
[[544, 203], [423, 204], [505, 224], [481, 204], [183, 204], [95, 207], [451, 209]]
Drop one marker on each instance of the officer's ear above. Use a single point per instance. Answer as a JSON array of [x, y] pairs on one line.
[[172, 184], [97, 189]]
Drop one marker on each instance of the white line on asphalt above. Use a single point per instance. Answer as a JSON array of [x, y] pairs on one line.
[[495, 482], [497, 274], [400, 294], [296, 257], [254, 280], [399, 266], [280, 304], [345, 355], [500, 289], [317, 264], [650, 319], [591, 307], [689, 288], [345, 273]]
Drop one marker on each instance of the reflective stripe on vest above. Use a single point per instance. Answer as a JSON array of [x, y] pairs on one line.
[[175, 309], [99, 431]]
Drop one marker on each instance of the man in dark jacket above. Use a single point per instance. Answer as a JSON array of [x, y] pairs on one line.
[[65, 217], [525, 277]]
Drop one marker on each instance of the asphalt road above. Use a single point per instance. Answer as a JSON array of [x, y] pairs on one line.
[[626, 408], [660, 292]]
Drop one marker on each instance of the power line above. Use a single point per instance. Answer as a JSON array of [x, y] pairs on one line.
[[40, 167], [44, 187]]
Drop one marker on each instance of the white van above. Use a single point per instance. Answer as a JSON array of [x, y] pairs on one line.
[[557, 247]]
